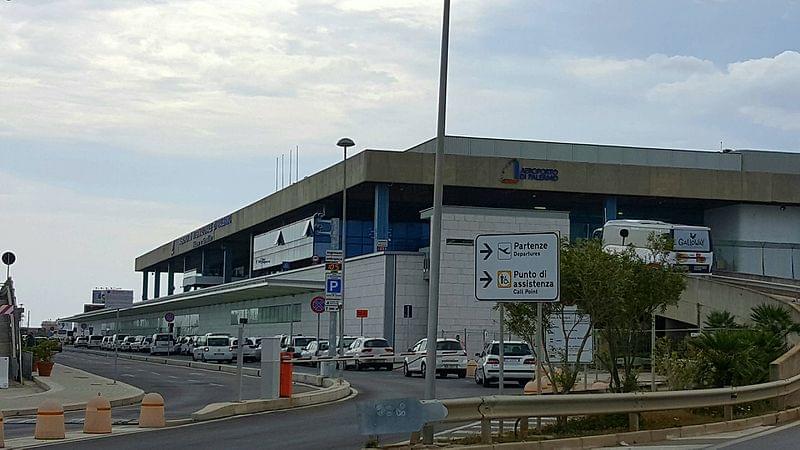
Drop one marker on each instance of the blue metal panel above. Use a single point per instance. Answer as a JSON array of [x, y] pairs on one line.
[[381, 220], [610, 208]]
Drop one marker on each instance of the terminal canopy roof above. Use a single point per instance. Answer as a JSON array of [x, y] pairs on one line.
[[255, 288]]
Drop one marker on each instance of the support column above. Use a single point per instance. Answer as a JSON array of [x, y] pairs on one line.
[[203, 261], [157, 284], [227, 265], [250, 259], [610, 209], [170, 279], [381, 218], [145, 275]]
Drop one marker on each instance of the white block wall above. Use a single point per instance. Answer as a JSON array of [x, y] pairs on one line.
[[458, 308]]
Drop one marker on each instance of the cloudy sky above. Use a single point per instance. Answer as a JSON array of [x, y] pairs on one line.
[[124, 124]]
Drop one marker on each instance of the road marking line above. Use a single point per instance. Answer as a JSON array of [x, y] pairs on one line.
[[128, 375], [156, 374], [217, 385], [172, 376]]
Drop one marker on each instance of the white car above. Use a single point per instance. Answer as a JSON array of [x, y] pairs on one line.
[[162, 343], [520, 364], [314, 349], [370, 352], [295, 344], [81, 341], [125, 345], [248, 350], [106, 343], [136, 344], [450, 358], [213, 348]]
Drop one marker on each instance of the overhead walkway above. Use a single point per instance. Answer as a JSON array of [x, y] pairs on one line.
[[733, 294]]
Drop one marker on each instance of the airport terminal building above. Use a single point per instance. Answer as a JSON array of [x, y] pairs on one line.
[[264, 261]]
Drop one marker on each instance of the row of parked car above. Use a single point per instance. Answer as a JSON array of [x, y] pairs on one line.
[[361, 352]]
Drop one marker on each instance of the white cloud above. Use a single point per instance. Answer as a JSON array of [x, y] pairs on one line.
[[67, 243]]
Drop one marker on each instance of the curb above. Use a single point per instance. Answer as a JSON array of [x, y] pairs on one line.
[[40, 381], [637, 437], [332, 390]]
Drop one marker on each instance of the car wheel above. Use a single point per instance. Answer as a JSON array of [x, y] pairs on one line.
[[422, 370], [406, 372], [462, 373], [193, 358], [486, 382], [389, 367], [358, 366], [203, 357]]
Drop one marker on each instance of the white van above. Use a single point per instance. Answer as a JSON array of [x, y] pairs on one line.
[[691, 245], [162, 343], [213, 347]]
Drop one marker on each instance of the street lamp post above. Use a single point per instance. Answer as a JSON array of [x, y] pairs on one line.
[[436, 223], [344, 143]]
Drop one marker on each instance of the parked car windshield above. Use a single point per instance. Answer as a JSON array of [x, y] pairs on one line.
[[448, 345], [302, 341], [375, 343], [217, 342], [512, 349]]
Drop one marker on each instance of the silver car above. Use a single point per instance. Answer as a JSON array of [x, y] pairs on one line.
[[450, 358], [370, 352], [520, 364]]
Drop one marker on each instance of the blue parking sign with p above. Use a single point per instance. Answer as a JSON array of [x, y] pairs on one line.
[[333, 286]]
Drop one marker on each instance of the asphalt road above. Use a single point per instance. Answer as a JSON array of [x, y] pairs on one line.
[[332, 426]]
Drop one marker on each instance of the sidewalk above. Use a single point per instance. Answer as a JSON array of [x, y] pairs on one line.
[[71, 387]]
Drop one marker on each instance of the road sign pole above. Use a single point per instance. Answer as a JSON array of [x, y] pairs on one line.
[[502, 352], [362, 326], [539, 348], [116, 349], [436, 222]]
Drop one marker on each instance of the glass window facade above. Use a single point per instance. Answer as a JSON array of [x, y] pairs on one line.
[[268, 314]]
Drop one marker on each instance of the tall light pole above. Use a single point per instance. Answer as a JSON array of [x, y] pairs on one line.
[[436, 224], [344, 143]]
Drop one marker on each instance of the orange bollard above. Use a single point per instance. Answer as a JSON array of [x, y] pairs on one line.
[[50, 421], [286, 374], [2, 432], [98, 416], [152, 414]]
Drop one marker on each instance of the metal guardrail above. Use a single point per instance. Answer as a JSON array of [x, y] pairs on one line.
[[787, 289], [487, 408]]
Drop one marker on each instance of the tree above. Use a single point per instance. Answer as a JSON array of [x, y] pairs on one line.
[[619, 291]]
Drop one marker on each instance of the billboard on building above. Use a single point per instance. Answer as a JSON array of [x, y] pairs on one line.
[[113, 298], [294, 242]]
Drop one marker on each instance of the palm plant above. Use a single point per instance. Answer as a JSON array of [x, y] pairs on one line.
[[720, 320], [774, 319]]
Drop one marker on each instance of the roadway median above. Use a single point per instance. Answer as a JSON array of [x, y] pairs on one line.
[[330, 391]]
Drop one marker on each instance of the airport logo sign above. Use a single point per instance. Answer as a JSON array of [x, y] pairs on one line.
[[513, 173]]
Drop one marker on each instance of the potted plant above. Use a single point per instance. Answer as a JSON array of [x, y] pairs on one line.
[[44, 352]]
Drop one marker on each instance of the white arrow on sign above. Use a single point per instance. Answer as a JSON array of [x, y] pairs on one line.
[[517, 267]]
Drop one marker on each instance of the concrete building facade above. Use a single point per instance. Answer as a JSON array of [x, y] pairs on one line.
[[253, 258]]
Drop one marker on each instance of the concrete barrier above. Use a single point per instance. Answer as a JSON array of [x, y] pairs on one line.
[[50, 421], [332, 390]]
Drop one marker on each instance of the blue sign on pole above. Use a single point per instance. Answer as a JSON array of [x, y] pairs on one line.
[[333, 287]]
